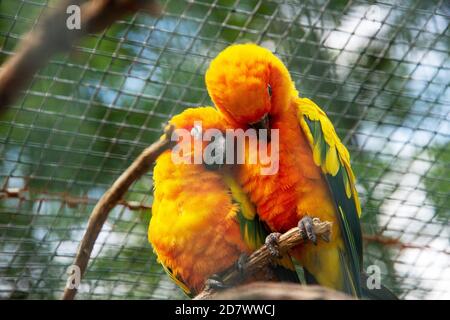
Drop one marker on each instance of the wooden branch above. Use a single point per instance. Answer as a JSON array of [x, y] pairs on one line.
[[261, 258], [279, 291], [112, 196], [52, 35]]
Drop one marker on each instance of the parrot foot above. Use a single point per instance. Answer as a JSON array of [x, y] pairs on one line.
[[240, 265], [272, 245], [215, 283], [269, 273], [306, 229]]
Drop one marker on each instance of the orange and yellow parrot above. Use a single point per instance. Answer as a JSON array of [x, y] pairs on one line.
[[253, 89], [202, 221]]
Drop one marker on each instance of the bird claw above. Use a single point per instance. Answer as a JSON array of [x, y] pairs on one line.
[[240, 265], [306, 229], [269, 273], [272, 244], [215, 283]]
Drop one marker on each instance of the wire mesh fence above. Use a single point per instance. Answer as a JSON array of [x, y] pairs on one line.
[[379, 69]]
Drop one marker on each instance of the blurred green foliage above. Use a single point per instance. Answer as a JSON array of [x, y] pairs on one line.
[[379, 70]]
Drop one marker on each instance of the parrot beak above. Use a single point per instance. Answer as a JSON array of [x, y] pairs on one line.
[[263, 123]]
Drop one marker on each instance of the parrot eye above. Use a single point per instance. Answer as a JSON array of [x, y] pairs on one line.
[[269, 90]]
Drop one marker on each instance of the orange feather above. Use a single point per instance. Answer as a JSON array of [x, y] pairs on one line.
[[237, 81]]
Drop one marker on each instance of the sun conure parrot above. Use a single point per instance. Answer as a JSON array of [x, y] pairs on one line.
[[253, 89], [202, 222]]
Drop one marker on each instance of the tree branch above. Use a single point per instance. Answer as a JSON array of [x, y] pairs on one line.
[[279, 291], [112, 196], [52, 35], [261, 258]]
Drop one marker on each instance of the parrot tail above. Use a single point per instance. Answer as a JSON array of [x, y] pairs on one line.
[[284, 270]]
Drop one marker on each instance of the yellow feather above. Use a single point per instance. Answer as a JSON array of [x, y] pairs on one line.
[[348, 190], [329, 134], [316, 153], [247, 208], [331, 161], [248, 239], [305, 128]]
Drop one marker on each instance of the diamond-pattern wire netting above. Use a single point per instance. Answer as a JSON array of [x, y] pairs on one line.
[[379, 69]]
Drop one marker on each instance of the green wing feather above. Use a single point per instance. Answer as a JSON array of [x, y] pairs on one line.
[[331, 155], [177, 281], [254, 231]]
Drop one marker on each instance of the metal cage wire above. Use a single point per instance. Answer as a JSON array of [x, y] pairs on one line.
[[379, 69]]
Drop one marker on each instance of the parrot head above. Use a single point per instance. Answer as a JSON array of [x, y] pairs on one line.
[[249, 85]]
